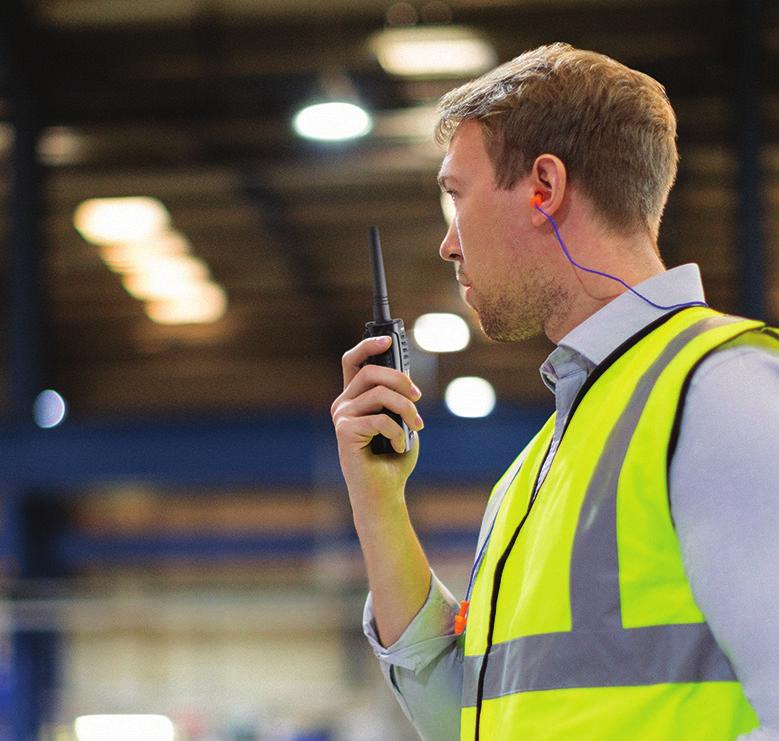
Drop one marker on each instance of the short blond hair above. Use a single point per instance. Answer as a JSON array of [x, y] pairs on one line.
[[613, 128]]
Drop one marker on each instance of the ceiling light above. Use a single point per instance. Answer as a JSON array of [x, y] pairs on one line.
[[433, 51], [127, 257], [441, 332], [205, 303], [124, 728], [470, 396], [332, 122], [49, 409], [110, 220], [166, 277]]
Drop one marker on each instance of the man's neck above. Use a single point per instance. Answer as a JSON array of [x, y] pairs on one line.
[[633, 259]]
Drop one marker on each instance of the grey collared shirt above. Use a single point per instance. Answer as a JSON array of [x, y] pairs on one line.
[[725, 500]]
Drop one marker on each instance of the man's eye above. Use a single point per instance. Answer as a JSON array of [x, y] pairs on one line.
[[452, 194]]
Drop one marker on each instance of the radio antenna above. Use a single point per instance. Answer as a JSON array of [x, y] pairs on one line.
[[381, 309]]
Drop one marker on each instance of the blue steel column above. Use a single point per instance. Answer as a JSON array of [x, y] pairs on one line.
[[27, 659], [35, 649], [746, 32], [25, 210], [10, 549]]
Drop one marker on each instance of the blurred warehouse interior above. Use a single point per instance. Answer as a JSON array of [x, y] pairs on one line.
[[184, 266]]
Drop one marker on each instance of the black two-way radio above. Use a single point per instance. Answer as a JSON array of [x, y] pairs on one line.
[[396, 356]]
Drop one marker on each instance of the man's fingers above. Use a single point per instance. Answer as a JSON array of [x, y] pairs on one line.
[[353, 359], [370, 391], [380, 398], [370, 376], [364, 429]]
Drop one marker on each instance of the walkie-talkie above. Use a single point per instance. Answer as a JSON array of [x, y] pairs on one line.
[[396, 356]]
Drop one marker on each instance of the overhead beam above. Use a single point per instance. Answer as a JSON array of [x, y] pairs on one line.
[[284, 450]]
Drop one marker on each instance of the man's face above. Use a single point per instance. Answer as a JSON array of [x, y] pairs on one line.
[[492, 243]]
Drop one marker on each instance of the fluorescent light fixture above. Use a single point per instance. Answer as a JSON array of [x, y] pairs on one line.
[[205, 303], [137, 242], [441, 332], [124, 728], [111, 220], [49, 409], [332, 122], [433, 51], [160, 277], [128, 257], [470, 396]]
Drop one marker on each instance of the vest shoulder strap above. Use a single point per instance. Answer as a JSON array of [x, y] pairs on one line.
[[761, 336]]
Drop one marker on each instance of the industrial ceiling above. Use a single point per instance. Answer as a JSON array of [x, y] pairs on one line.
[[191, 101]]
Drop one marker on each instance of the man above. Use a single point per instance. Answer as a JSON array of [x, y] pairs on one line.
[[626, 583]]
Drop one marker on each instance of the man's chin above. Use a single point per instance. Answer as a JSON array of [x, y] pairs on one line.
[[502, 333]]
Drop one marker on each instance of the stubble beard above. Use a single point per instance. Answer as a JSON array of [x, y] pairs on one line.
[[499, 324], [522, 315]]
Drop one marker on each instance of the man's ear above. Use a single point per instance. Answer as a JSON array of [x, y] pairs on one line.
[[547, 182]]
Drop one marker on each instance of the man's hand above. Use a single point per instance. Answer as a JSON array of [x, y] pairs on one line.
[[398, 571], [358, 416]]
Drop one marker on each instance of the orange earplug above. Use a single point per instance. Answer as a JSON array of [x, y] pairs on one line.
[[536, 200]]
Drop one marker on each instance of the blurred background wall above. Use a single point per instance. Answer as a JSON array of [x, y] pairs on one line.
[[184, 262]]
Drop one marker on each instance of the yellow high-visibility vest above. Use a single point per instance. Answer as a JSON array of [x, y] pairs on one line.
[[582, 625]]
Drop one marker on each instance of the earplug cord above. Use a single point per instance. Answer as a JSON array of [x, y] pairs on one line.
[[608, 275], [461, 619]]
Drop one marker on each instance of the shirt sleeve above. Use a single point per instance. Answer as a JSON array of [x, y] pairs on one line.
[[725, 501], [424, 667]]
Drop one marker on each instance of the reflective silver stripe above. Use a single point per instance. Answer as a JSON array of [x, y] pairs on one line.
[[630, 657], [598, 651], [595, 601], [493, 506]]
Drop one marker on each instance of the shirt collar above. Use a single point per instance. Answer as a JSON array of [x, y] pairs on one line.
[[604, 331]]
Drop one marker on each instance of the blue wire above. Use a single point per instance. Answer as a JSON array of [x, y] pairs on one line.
[[607, 275], [573, 262]]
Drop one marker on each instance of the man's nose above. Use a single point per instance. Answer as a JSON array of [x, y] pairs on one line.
[[450, 247]]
